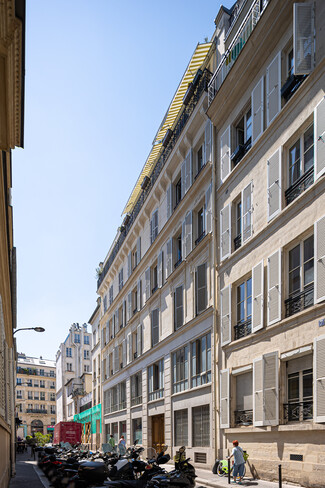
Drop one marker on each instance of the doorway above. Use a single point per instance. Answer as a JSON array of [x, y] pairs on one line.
[[157, 431]]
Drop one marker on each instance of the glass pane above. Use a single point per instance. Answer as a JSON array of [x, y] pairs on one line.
[[307, 385], [293, 388], [294, 281], [294, 258], [309, 148], [309, 248], [248, 125], [249, 307], [241, 312], [309, 272], [294, 162], [249, 287]]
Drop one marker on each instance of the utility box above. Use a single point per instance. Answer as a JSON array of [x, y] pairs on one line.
[[67, 432]]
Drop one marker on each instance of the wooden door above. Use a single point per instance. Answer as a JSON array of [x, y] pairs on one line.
[[158, 431]]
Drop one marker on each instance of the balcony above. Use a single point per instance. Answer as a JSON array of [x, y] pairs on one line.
[[298, 411], [178, 262], [243, 329], [299, 186], [156, 394], [36, 410], [136, 401], [240, 151], [237, 242], [299, 301], [33, 372], [291, 85], [241, 37], [200, 238], [199, 170], [244, 417]]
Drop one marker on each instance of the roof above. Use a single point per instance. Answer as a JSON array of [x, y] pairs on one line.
[[28, 360]]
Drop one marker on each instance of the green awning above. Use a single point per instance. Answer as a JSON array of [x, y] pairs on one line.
[[91, 415]]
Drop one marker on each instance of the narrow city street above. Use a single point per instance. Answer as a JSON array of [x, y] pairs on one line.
[[27, 473]]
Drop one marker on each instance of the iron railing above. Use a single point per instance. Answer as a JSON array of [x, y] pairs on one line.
[[199, 170], [299, 186], [300, 301], [33, 372], [237, 242], [36, 410], [243, 329], [200, 238], [178, 262], [241, 37], [244, 417], [184, 116], [298, 411]]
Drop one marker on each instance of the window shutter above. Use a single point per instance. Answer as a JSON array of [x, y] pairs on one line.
[[124, 313], [147, 280], [160, 269], [188, 171], [201, 288], [129, 264], [225, 233], [270, 388], [258, 414], [169, 201], [258, 298], [273, 85], [225, 154], [274, 185], [319, 238], [139, 340], [274, 288], [151, 230], [124, 349], [138, 250], [208, 141], [319, 135], [225, 315], [303, 38], [116, 321], [183, 179], [208, 209], [139, 295], [116, 359], [129, 306], [224, 399], [184, 239], [129, 347], [154, 327], [179, 316], [247, 208], [188, 234], [169, 260], [257, 110], [319, 379]]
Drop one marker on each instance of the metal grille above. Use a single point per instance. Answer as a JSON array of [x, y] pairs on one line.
[[296, 457], [300, 301], [299, 186], [200, 457]]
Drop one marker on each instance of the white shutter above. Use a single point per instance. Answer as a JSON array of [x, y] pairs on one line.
[[151, 230], [257, 110], [129, 264], [183, 179], [139, 295], [147, 280], [169, 201], [208, 141], [273, 85], [274, 288], [258, 397], [225, 232], [169, 260], [225, 323], [160, 269], [319, 138], [319, 238], [224, 399], [184, 239], [303, 38], [138, 250], [117, 325], [129, 306], [319, 379], [225, 154], [208, 210], [124, 349], [188, 235], [129, 347], [271, 388], [124, 313], [115, 359], [188, 171], [246, 204], [274, 195], [258, 297], [139, 340]]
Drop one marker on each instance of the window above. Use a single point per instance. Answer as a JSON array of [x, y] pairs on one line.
[[68, 352], [300, 165], [86, 339], [180, 369], [41, 372], [201, 288], [137, 429], [19, 394], [86, 368], [110, 292], [178, 192], [154, 226], [156, 380], [181, 427], [70, 410], [52, 373], [86, 354], [243, 137], [154, 327], [238, 224], [244, 309], [135, 300], [201, 426], [199, 159], [42, 396], [105, 303], [36, 383], [301, 277], [77, 338], [36, 395], [178, 249], [30, 395], [154, 278], [178, 307], [20, 407], [18, 381], [120, 280], [201, 360], [292, 81], [136, 389], [69, 366], [52, 397], [299, 389], [200, 225], [42, 383], [244, 399]]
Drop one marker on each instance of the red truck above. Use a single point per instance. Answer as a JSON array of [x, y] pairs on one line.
[[67, 432]]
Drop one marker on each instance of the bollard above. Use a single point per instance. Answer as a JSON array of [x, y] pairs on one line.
[[280, 476], [228, 471]]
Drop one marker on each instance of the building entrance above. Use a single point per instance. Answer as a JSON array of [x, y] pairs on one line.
[[158, 431]]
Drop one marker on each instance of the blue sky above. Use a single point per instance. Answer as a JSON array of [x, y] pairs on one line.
[[99, 78]]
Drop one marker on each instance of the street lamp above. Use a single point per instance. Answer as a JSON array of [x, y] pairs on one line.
[[37, 329]]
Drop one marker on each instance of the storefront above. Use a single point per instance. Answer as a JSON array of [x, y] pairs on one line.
[[91, 419]]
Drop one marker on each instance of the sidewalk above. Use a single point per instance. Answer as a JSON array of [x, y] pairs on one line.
[[27, 473]]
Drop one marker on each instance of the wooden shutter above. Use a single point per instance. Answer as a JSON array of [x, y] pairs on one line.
[[270, 388], [183, 179], [274, 288], [319, 379], [160, 269], [169, 260], [273, 85], [201, 288], [257, 110], [178, 309], [225, 154], [154, 327], [208, 210], [303, 38], [124, 313], [319, 138], [139, 295], [138, 250], [225, 323], [147, 280], [117, 326], [187, 243], [274, 195], [124, 353], [225, 232], [208, 141], [246, 199], [129, 306], [139, 340], [258, 397], [129, 347], [116, 359], [258, 296], [129, 264], [151, 230], [224, 399], [169, 200], [188, 171], [319, 238]]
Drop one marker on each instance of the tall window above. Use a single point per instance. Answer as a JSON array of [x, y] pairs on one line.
[[200, 224], [110, 293], [181, 427], [18, 381], [244, 399], [178, 307], [178, 253], [178, 192], [154, 226], [86, 339], [137, 429], [69, 366], [154, 327], [86, 354], [300, 389], [156, 380], [19, 394], [201, 360], [120, 280], [238, 224], [200, 158], [201, 298], [244, 309], [77, 338], [201, 426], [243, 130], [180, 369], [136, 389], [69, 352]]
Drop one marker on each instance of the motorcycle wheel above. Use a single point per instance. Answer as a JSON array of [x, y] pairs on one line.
[[220, 470]]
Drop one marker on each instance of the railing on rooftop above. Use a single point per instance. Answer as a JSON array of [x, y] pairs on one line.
[[185, 114], [241, 37]]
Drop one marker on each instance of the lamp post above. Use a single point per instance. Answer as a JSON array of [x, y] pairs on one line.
[[37, 329]]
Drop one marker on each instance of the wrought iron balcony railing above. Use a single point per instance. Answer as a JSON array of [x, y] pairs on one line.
[[300, 301], [200, 238], [298, 411], [299, 186], [36, 410], [237, 242], [244, 417], [200, 88], [243, 329], [178, 262]]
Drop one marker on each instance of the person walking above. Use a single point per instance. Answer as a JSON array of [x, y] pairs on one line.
[[111, 442], [122, 445], [239, 462]]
